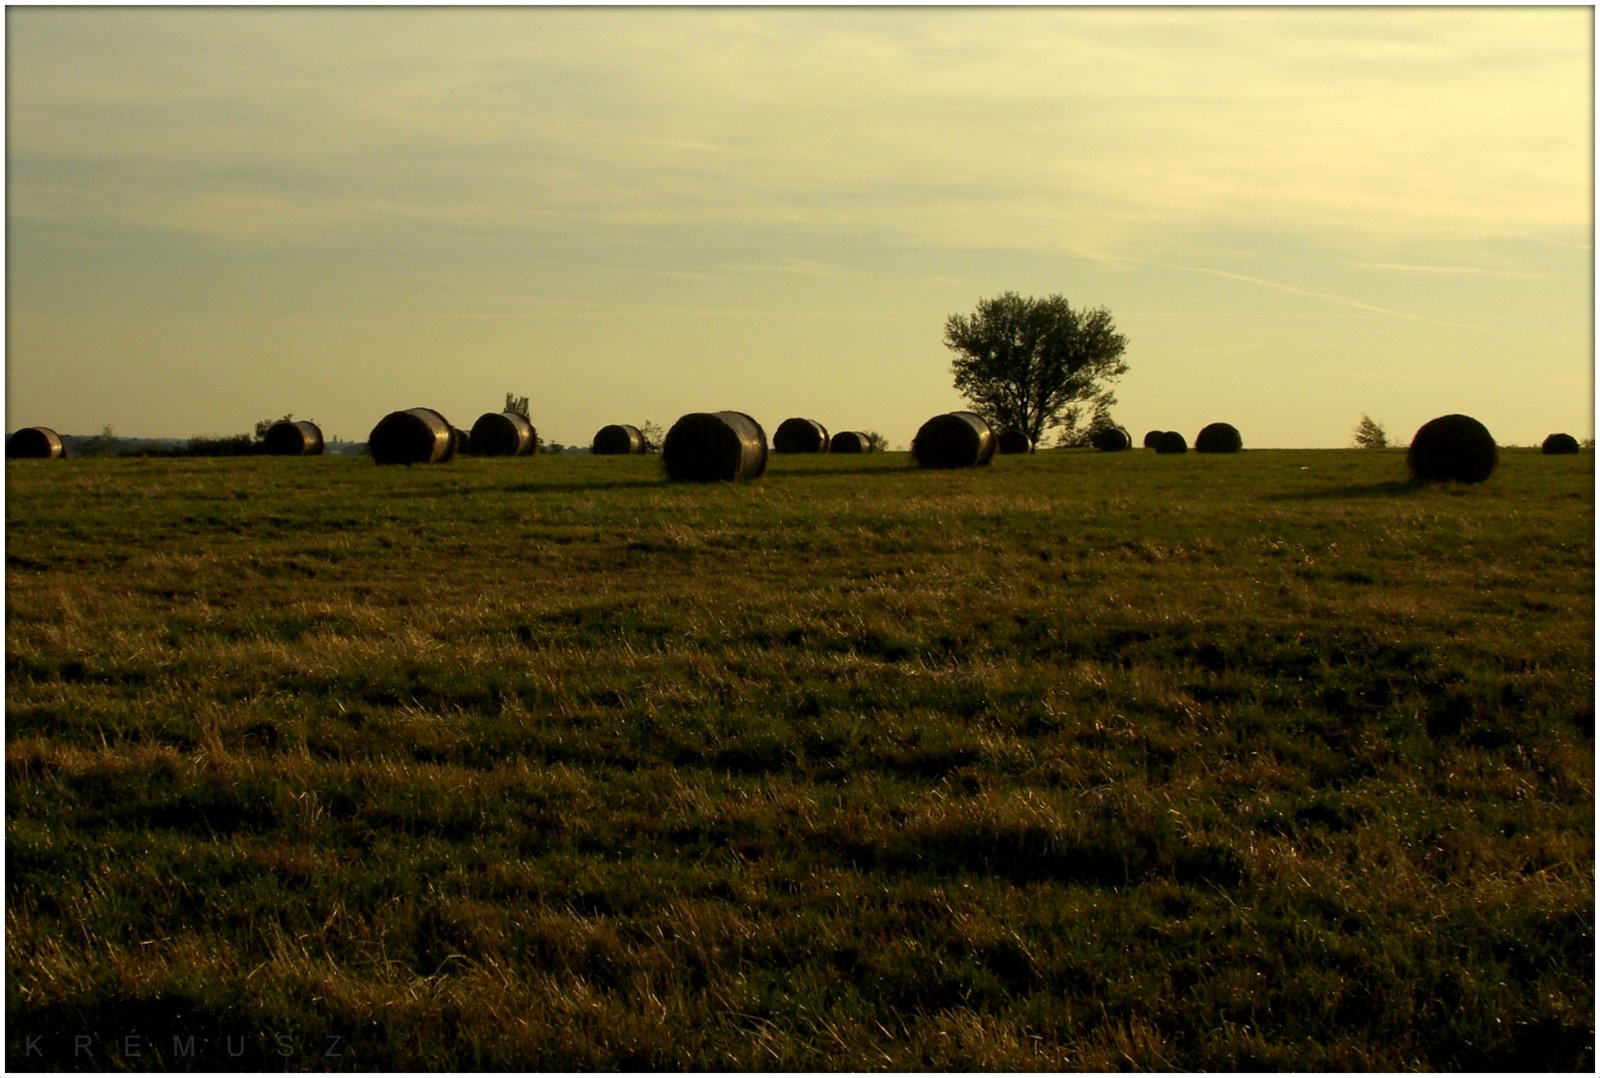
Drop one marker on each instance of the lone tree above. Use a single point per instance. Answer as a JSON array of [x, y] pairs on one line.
[[1032, 364], [1370, 434]]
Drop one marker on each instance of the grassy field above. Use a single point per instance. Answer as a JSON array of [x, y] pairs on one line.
[[1082, 761]]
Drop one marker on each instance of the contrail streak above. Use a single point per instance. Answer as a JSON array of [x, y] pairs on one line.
[[1347, 301]]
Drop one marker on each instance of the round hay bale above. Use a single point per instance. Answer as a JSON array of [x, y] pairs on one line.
[[1218, 438], [414, 436], [706, 447], [618, 439], [35, 443], [1171, 442], [800, 436], [502, 434], [954, 440], [1561, 443], [1013, 441], [1111, 440], [850, 441], [1452, 447], [460, 441], [1152, 438], [292, 438]]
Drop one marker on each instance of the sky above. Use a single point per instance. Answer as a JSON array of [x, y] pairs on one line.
[[1296, 216]]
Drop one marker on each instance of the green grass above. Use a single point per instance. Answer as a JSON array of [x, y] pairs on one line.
[[1076, 762]]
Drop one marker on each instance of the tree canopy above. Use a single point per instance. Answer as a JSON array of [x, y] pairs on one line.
[[1032, 364]]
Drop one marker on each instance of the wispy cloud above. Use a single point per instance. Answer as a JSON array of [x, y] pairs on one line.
[[1042, 128]]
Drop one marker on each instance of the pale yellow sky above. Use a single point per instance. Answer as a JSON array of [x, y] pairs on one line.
[[215, 215]]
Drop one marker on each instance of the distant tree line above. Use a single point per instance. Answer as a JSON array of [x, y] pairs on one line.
[[107, 444]]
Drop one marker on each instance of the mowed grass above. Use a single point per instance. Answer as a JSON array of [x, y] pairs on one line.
[[1079, 761]]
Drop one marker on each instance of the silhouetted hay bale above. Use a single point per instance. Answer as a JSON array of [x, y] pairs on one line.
[[709, 446], [414, 436], [954, 440], [463, 441], [1013, 441], [1452, 447], [292, 438], [618, 439], [35, 443], [1561, 443], [1111, 440], [502, 434], [1218, 438], [1152, 438], [1171, 442], [850, 441], [800, 436]]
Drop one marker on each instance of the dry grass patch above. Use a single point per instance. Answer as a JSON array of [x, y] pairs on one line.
[[1085, 761]]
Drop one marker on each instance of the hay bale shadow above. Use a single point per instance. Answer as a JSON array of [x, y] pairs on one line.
[[1396, 488]]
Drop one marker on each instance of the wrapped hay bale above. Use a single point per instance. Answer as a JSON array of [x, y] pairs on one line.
[[1452, 447], [463, 442], [1218, 438], [954, 440], [293, 438], [709, 446], [502, 434], [1013, 441], [618, 439], [414, 436], [1111, 440], [850, 441], [35, 443], [1152, 438], [1560, 443], [1171, 442], [800, 436]]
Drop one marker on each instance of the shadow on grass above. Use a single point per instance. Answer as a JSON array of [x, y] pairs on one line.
[[1392, 489], [593, 486], [836, 474]]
